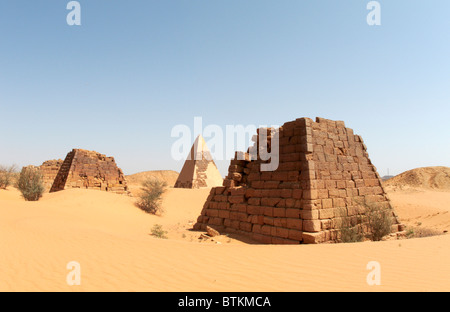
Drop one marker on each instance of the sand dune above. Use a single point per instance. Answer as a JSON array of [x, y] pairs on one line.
[[110, 239], [437, 178], [421, 196], [426, 208], [168, 176], [135, 180]]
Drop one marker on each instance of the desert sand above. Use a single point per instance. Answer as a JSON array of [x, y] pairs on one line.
[[135, 180], [434, 178], [422, 197], [110, 238]]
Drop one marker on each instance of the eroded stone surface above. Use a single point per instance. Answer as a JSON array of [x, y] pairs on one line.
[[324, 175], [90, 170]]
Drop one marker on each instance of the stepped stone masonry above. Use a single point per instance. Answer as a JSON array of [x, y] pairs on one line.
[[324, 175], [90, 170], [49, 170]]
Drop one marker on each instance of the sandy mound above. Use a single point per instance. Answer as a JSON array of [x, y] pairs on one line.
[[427, 209], [110, 238], [428, 177], [169, 176], [135, 180]]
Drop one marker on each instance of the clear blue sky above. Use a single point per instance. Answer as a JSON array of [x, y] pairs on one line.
[[118, 83]]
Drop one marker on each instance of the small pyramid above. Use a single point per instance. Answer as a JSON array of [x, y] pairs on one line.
[[199, 170], [89, 170]]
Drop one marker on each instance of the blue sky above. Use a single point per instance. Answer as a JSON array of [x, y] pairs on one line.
[[133, 70]]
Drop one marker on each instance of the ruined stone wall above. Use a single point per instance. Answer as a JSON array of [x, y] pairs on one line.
[[323, 175], [90, 170], [49, 170]]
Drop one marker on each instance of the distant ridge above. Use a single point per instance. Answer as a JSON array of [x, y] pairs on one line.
[[426, 177], [169, 176]]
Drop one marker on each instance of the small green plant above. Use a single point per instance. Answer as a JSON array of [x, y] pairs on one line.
[[30, 184], [418, 232], [7, 175], [410, 233], [157, 231], [150, 197]]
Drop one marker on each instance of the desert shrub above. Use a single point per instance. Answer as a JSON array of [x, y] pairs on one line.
[[379, 220], [150, 197], [375, 224], [349, 233], [30, 184], [7, 175], [157, 231]]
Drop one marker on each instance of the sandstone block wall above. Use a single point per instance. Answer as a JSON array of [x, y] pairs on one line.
[[90, 170], [49, 170], [324, 174]]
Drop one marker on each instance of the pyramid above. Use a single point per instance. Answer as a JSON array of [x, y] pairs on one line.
[[89, 170], [49, 170], [323, 175], [199, 169]]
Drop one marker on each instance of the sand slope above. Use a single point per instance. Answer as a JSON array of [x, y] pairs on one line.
[[425, 208], [422, 197], [110, 239], [168, 176], [437, 178], [135, 180]]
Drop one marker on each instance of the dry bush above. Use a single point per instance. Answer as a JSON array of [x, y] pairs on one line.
[[30, 184], [373, 223], [379, 220], [349, 233], [150, 197], [7, 176]]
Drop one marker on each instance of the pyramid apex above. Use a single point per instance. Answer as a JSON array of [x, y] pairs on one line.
[[199, 169]]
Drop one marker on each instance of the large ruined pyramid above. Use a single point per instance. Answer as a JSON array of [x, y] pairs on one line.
[[199, 169], [90, 170], [323, 176]]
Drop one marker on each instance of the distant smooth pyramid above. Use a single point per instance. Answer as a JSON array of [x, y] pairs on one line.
[[199, 170]]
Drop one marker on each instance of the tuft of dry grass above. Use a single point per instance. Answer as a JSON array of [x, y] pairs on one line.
[[418, 232], [158, 231]]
